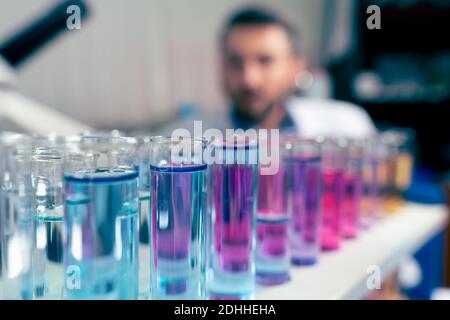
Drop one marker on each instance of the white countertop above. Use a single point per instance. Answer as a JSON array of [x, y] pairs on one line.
[[343, 274]]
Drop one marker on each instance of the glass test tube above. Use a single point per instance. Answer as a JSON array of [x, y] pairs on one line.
[[353, 186], [234, 185], [303, 165], [333, 160], [399, 145], [272, 241], [101, 219], [371, 181], [48, 222], [178, 218], [15, 217], [143, 163]]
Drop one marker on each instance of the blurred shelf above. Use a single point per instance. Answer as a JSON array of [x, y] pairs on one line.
[[343, 274], [418, 29], [413, 114], [415, 31], [405, 104]]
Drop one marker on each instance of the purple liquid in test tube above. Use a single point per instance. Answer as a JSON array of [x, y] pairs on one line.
[[272, 242], [374, 193], [177, 207], [178, 225], [234, 217], [306, 197], [304, 171], [233, 227], [353, 187], [352, 201]]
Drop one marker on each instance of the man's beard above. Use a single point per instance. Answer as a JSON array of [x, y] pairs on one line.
[[241, 112]]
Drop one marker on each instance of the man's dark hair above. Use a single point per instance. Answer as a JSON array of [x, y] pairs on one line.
[[259, 16]]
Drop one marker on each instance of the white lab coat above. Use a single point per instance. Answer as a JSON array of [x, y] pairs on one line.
[[330, 118]]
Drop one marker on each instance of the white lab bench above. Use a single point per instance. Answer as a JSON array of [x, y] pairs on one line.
[[343, 274]]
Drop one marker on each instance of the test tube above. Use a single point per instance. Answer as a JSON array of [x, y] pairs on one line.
[[234, 199], [178, 213], [333, 161], [303, 165], [101, 219], [405, 160], [272, 241], [48, 223], [143, 163], [399, 145], [371, 181], [353, 186], [15, 217]]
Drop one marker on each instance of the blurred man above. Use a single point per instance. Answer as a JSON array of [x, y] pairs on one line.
[[261, 58]]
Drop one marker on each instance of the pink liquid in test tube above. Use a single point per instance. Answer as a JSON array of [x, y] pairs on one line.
[[332, 201]]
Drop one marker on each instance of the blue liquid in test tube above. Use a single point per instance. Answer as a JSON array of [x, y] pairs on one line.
[[102, 235], [15, 217], [144, 218], [48, 223]]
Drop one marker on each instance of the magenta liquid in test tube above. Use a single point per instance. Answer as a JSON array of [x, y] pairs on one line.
[[333, 157], [234, 182], [303, 166], [272, 242]]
